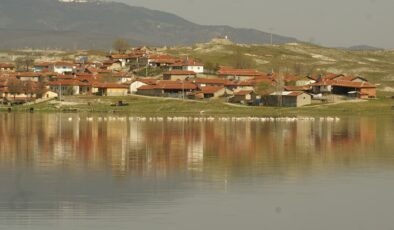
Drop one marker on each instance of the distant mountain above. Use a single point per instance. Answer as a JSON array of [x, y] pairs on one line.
[[364, 48], [95, 24]]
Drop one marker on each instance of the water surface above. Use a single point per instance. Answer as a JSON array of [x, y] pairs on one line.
[[70, 171]]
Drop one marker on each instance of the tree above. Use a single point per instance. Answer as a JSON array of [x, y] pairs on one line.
[[41, 89], [121, 45], [28, 88], [24, 63], [211, 67], [265, 88], [15, 87]]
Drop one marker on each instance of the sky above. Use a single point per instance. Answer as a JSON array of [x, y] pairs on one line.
[[334, 23]]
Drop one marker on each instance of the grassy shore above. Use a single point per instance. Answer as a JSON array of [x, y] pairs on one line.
[[138, 105]]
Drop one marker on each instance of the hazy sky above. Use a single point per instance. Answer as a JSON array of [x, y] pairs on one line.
[[326, 22]]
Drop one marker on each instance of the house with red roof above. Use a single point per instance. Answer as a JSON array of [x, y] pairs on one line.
[[7, 67], [210, 92], [188, 65], [177, 89], [239, 74], [111, 89]]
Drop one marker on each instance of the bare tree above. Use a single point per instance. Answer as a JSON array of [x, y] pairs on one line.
[[15, 87], [24, 63], [28, 88], [121, 45]]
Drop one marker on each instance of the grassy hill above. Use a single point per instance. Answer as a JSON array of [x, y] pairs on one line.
[[376, 66]]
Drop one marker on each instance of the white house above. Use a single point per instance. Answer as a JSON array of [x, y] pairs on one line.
[[62, 67], [188, 65]]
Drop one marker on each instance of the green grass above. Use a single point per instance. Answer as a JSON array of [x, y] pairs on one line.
[[170, 107]]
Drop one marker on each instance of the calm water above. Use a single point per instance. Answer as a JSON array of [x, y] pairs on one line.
[[61, 171]]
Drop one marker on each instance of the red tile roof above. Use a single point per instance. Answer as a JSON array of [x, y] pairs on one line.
[[179, 72], [111, 85], [210, 81], [6, 65], [211, 89], [243, 92]]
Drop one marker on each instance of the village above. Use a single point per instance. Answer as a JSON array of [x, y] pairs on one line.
[[143, 72]]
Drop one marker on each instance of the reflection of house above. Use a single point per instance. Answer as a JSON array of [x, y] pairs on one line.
[[178, 75], [112, 89], [288, 99]]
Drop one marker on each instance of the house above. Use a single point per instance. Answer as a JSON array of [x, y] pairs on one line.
[[7, 67], [211, 92], [322, 87], [161, 60], [288, 99], [244, 97], [62, 67], [68, 87], [363, 90], [112, 65], [202, 82], [134, 86], [122, 59], [111, 89], [188, 65], [40, 67], [239, 74], [29, 76], [177, 89], [181, 75]]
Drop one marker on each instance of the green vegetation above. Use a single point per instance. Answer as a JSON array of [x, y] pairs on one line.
[[173, 107]]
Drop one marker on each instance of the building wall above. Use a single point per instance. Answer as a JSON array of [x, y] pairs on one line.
[[370, 91], [176, 77], [304, 99], [62, 69], [116, 92], [134, 86], [196, 69]]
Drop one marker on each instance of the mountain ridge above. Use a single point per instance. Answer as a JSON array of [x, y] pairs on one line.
[[95, 24]]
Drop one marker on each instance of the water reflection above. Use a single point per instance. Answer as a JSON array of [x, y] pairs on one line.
[[157, 149], [69, 166]]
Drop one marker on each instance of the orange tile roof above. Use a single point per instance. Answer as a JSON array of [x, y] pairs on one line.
[[211, 89]]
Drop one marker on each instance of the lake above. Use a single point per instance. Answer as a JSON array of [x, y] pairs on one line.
[[81, 171]]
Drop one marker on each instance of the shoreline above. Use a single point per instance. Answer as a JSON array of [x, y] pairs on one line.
[[148, 106]]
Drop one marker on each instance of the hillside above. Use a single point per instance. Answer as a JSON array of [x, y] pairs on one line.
[[376, 66], [95, 24]]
